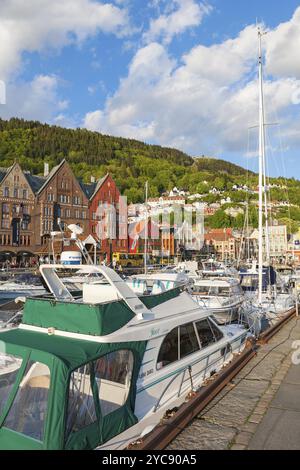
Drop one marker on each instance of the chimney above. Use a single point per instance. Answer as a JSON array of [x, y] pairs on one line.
[[46, 169], [93, 179]]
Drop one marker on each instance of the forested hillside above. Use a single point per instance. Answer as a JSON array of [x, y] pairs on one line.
[[132, 163]]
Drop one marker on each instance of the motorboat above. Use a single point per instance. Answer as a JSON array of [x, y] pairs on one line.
[[222, 297], [22, 285], [100, 370], [213, 268]]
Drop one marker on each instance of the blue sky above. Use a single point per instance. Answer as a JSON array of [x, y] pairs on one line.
[[179, 73]]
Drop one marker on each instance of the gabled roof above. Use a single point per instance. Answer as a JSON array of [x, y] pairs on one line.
[[35, 182], [51, 174], [2, 173], [88, 189], [99, 184], [5, 171]]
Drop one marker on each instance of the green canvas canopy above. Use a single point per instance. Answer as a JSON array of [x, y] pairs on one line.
[[95, 320], [62, 356]]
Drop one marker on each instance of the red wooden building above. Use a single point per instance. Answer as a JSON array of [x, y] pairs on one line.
[[108, 217]]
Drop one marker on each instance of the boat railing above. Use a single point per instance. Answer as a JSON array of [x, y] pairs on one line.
[[61, 292], [226, 350]]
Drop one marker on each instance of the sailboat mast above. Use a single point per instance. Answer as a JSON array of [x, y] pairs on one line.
[[146, 229], [262, 151]]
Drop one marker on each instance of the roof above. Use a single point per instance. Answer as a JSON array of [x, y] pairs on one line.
[[88, 189], [219, 235], [35, 182], [51, 174], [99, 184], [72, 351], [4, 172], [91, 189]]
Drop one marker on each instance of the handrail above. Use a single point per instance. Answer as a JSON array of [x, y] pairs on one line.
[[60, 292]]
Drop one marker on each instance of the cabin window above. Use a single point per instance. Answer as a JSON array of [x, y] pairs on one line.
[[81, 406], [188, 340], [28, 412], [169, 350], [9, 368], [113, 374], [205, 333], [217, 333]]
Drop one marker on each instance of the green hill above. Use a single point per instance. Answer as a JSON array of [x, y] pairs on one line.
[[129, 161]]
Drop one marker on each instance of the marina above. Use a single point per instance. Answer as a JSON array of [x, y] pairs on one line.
[[149, 239]]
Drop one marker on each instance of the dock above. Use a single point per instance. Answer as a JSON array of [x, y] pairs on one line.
[[258, 409]]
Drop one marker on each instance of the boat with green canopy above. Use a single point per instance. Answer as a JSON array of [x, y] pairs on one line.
[[99, 369]]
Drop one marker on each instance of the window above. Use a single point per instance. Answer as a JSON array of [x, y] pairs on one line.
[[6, 192], [188, 340], [25, 210], [27, 414], [50, 197], [9, 368], [25, 194], [217, 333], [5, 208], [205, 333], [25, 224], [81, 406], [16, 192], [169, 350], [113, 376], [5, 223]]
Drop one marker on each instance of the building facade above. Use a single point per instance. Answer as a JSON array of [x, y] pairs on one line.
[[17, 206], [224, 243], [31, 207], [107, 217], [60, 201]]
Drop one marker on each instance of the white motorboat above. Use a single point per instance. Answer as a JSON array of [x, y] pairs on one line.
[[221, 297], [20, 286], [213, 268], [130, 357]]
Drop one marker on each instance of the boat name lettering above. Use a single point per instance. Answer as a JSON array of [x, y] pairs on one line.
[[145, 374]]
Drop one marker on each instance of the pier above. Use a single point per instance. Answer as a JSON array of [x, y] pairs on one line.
[[259, 409]]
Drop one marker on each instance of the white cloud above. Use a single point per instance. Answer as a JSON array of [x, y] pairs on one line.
[[283, 46], [184, 14], [35, 25], [38, 99], [205, 101]]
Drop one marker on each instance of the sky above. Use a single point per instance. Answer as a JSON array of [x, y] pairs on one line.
[[178, 73]]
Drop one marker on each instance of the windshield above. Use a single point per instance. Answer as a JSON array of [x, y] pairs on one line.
[[9, 368], [213, 291]]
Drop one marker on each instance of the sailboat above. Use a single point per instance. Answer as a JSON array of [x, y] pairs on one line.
[[270, 303]]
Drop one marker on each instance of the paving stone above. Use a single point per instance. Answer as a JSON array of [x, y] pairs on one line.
[[287, 397], [249, 427], [238, 447], [279, 430], [243, 438], [255, 419], [232, 414], [203, 435]]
